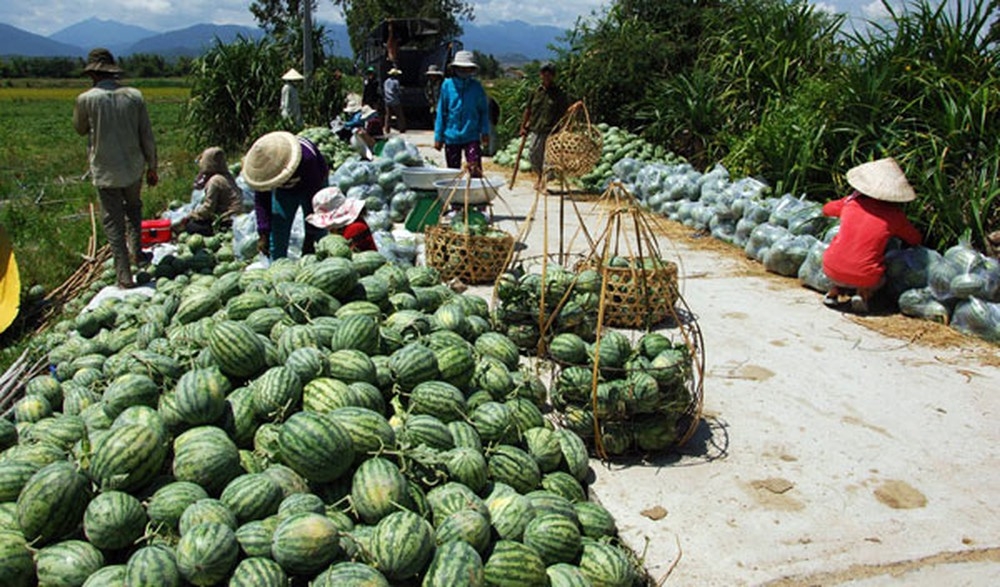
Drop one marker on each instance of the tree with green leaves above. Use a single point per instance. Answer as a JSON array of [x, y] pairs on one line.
[[362, 16]]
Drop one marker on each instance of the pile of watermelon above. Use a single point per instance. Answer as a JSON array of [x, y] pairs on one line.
[[334, 150], [337, 420]]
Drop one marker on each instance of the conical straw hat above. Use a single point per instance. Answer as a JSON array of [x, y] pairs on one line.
[[882, 179], [272, 160]]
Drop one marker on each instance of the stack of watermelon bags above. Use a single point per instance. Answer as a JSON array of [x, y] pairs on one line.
[[334, 420]]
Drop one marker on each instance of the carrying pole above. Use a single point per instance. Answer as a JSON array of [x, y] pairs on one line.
[[517, 161]]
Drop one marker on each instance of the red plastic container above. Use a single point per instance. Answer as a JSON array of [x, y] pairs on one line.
[[155, 231]]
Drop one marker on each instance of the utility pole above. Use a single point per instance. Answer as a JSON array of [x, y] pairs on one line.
[[307, 35]]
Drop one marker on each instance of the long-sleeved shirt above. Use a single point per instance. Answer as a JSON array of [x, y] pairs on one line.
[[223, 199], [121, 143], [463, 114], [310, 176], [545, 107], [856, 255]]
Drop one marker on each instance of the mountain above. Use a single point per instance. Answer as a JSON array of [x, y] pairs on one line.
[[193, 40], [96, 32], [512, 37], [14, 41]]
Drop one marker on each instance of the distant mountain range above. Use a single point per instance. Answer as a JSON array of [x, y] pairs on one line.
[[510, 42]]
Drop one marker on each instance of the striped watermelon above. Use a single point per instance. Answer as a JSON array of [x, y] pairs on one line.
[[350, 573], [468, 466], [492, 421], [252, 496], [543, 446], [498, 346], [239, 419], [17, 567], [513, 564], [13, 476], [511, 465], [574, 454], [402, 545], [263, 320], [377, 489], [555, 538], [465, 435], [413, 364], [107, 576], [207, 456], [308, 363], [67, 563], [452, 497], [442, 400], [575, 384], [350, 365], [360, 307], [301, 502], [306, 543], [8, 434], [568, 348], [605, 564], [44, 385], [31, 408], [167, 504], [276, 393], [315, 446], [545, 502], [293, 337], [566, 575], [52, 503], [241, 306], [356, 331], [335, 275], [255, 537], [114, 520], [422, 429], [510, 513], [207, 553], [456, 364], [206, 511], [564, 485], [595, 521], [197, 305], [200, 396], [455, 563], [494, 377], [326, 395], [62, 431], [258, 572], [467, 525], [524, 415], [370, 432], [289, 481], [129, 390], [153, 565], [237, 349]]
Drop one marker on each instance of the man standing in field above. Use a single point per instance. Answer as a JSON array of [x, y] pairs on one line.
[[546, 106], [120, 148]]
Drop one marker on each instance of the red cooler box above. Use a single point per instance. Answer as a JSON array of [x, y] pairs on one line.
[[155, 231]]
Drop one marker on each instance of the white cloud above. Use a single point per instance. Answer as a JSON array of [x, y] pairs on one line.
[[874, 10], [825, 7]]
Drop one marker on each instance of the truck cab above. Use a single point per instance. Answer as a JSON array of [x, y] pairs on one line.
[[412, 45]]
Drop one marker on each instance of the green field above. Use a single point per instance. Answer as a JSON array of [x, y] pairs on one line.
[[44, 198]]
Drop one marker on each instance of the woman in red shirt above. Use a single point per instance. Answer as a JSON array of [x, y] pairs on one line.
[[869, 217], [341, 215]]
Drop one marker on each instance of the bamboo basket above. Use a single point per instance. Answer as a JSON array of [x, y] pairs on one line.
[[574, 146], [473, 259]]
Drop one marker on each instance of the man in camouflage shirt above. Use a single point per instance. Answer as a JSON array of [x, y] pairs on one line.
[[546, 106]]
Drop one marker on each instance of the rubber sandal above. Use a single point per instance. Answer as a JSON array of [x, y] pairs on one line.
[[859, 305]]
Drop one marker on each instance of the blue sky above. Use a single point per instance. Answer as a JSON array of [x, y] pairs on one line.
[[45, 17]]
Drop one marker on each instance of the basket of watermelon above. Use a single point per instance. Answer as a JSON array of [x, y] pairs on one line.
[[468, 249], [624, 399]]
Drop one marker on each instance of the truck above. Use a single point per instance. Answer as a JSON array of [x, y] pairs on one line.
[[415, 44]]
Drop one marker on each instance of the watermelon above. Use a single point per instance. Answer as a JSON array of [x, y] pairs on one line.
[[456, 365], [200, 396], [308, 363], [153, 565], [543, 446], [492, 421], [207, 456], [276, 393], [205, 511], [370, 432], [402, 545], [252, 496], [595, 521], [52, 503], [237, 349], [316, 446], [68, 563], [258, 572], [455, 563], [377, 489], [605, 564], [566, 575], [301, 502], [510, 513], [574, 454], [114, 520], [128, 390], [207, 553], [555, 538], [511, 465], [425, 430], [357, 331], [305, 543], [167, 504], [17, 567], [465, 435], [351, 365], [107, 576], [467, 525], [442, 400], [498, 346], [515, 565], [568, 348], [468, 466], [413, 364], [545, 502], [350, 573], [13, 476]]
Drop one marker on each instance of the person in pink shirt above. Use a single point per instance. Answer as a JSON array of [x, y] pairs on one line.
[[869, 217]]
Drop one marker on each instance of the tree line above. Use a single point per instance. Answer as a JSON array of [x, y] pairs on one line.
[[136, 65]]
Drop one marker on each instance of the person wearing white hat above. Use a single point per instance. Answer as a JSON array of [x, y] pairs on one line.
[[291, 108], [285, 171], [462, 124], [869, 217], [340, 215], [393, 95]]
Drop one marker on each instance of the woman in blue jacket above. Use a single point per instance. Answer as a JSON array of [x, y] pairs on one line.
[[462, 124]]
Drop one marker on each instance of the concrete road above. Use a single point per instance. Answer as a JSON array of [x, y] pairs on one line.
[[828, 453]]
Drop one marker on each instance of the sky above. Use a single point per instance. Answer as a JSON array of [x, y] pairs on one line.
[[45, 17]]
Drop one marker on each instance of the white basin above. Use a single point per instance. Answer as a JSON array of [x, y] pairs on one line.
[[423, 178], [474, 191]]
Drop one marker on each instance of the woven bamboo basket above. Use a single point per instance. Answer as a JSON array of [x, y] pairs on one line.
[[639, 297], [574, 146], [473, 259]]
